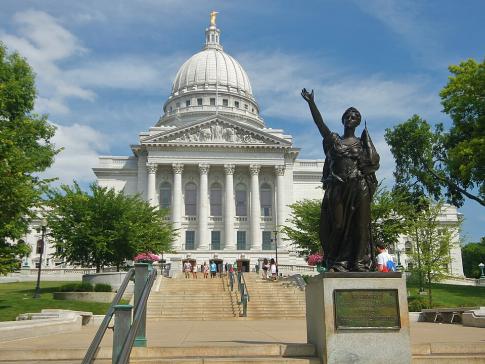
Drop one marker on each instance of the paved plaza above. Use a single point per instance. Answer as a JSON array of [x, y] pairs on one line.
[[171, 333]]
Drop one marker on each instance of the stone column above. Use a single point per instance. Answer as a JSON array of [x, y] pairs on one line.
[[177, 202], [151, 191], [280, 199], [229, 208], [203, 208], [255, 221]]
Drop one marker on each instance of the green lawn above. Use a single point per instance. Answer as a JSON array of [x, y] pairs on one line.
[[16, 298], [446, 295]]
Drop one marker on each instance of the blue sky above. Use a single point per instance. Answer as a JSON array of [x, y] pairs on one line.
[[105, 68]]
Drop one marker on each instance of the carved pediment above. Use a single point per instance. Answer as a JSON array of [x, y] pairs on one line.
[[217, 131]]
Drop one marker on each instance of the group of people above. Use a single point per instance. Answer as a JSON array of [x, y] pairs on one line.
[[205, 268], [269, 269]]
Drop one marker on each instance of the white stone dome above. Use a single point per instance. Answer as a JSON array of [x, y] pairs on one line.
[[210, 67], [211, 82]]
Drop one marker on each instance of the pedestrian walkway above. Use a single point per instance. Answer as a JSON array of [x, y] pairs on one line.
[[171, 333]]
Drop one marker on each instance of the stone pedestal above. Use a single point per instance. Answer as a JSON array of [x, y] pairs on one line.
[[358, 318]]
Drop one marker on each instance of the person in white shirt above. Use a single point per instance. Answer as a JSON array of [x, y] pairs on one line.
[[382, 258]]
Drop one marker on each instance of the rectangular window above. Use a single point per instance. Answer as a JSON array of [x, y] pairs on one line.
[[267, 241], [241, 240], [187, 103], [177, 105], [189, 240], [241, 207], [225, 102], [236, 104], [199, 101], [212, 101], [246, 106], [215, 240], [216, 202]]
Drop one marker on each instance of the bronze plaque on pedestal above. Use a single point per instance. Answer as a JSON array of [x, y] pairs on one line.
[[366, 309]]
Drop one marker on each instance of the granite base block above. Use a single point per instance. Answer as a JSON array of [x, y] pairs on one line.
[[340, 335]]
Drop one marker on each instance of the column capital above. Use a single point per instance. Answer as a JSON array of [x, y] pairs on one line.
[[229, 168], [177, 168], [280, 170], [204, 168], [254, 169], [152, 167]]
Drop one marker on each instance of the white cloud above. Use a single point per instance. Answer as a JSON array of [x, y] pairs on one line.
[[45, 43], [82, 145], [409, 20], [278, 79]]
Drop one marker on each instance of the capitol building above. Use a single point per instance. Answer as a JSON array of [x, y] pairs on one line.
[[226, 177]]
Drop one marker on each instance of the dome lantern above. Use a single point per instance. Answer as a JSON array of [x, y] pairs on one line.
[[212, 34]]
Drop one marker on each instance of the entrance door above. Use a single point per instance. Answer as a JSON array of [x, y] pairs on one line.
[[243, 265]]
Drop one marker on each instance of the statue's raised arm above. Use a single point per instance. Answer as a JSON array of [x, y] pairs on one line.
[[317, 117]]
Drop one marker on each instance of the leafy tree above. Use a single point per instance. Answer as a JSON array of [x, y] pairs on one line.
[[472, 255], [106, 227], [389, 210], [432, 242], [25, 150], [10, 255], [446, 163], [303, 228]]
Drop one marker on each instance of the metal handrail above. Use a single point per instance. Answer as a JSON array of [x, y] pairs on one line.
[[243, 292], [88, 358], [124, 356]]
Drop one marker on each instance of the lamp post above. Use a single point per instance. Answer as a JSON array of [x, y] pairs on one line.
[[43, 228], [275, 232], [481, 265]]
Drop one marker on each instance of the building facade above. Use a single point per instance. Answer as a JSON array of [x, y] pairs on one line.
[[226, 178]]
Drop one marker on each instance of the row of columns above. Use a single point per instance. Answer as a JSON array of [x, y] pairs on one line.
[[229, 208]]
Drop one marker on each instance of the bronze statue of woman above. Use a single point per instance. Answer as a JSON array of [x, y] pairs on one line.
[[349, 181]]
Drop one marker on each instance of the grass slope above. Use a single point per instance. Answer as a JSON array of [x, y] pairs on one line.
[[447, 295], [16, 298]]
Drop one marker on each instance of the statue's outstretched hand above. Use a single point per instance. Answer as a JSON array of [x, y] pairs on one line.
[[308, 96]]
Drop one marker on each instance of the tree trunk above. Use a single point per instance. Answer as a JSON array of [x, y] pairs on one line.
[[430, 298], [420, 270]]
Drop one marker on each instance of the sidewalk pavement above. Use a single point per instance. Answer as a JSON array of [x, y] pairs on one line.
[[170, 333]]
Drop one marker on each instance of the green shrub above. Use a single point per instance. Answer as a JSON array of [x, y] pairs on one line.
[[77, 287], [102, 287], [417, 303]]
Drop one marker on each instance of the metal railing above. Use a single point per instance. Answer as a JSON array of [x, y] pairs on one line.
[[127, 333], [89, 357], [139, 322], [243, 293]]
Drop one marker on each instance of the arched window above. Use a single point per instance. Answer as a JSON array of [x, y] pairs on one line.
[[241, 200], [266, 197], [165, 195], [190, 199], [216, 199], [408, 247]]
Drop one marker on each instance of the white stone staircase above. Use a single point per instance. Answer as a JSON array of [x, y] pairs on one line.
[[274, 299], [192, 299]]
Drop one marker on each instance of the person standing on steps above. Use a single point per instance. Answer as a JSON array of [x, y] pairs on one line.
[[206, 270], [187, 269], [213, 269], [265, 268], [274, 270]]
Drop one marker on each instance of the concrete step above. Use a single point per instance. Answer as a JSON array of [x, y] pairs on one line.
[[255, 353]]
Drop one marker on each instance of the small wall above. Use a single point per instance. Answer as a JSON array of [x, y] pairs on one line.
[[112, 278], [104, 297]]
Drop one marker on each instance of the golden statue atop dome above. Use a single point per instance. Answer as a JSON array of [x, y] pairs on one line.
[[213, 17]]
